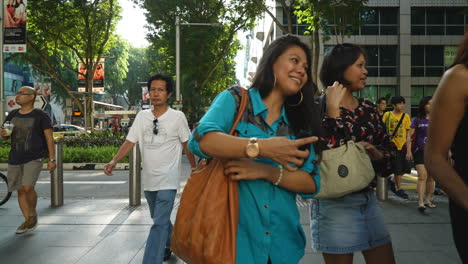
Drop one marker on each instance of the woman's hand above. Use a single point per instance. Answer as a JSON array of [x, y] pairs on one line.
[[335, 94], [247, 169], [285, 151], [372, 151]]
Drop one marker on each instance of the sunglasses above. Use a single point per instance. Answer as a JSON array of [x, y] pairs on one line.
[[155, 126]]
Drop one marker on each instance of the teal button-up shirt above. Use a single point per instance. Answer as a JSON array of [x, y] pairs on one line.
[[269, 225]]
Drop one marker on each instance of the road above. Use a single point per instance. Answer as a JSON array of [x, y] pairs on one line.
[[90, 184]]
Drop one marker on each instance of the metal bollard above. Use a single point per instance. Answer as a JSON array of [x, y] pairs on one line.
[[135, 176], [382, 190], [56, 178]]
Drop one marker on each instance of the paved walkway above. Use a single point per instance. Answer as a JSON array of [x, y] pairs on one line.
[[110, 231]]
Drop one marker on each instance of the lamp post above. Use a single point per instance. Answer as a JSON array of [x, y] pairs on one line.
[[178, 24]]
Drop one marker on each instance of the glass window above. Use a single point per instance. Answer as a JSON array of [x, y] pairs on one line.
[[388, 30], [373, 71], [435, 30], [417, 92], [388, 55], [434, 55], [387, 72], [372, 55], [417, 55], [418, 30], [454, 30], [417, 71], [389, 16], [434, 71], [370, 17], [435, 15], [370, 92], [429, 90], [454, 16], [370, 30], [418, 15], [387, 91]]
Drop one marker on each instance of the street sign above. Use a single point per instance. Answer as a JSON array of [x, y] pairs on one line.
[[40, 102]]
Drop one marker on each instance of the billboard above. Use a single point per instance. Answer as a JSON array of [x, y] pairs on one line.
[[14, 26], [98, 77], [43, 88]]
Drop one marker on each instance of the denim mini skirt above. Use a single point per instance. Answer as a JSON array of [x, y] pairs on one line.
[[348, 224]]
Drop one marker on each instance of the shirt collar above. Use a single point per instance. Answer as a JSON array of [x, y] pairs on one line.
[[260, 108]]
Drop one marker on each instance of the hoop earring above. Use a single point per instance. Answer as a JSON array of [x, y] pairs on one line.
[[300, 100]]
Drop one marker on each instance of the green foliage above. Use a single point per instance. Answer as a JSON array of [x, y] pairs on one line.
[[95, 139], [63, 33], [100, 154], [207, 52], [4, 151], [138, 72]]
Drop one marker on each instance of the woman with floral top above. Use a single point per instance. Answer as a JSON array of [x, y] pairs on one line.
[[354, 222]]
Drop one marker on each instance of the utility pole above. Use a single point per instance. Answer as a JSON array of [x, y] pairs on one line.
[[2, 96]]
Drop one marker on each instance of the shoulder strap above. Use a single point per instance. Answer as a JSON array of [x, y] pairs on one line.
[[11, 115], [398, 125], [240, 110]]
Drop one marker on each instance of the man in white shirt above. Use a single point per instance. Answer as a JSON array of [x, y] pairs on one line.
[[162, 132]]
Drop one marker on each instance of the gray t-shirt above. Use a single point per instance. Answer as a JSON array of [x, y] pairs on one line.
[[27, 139]]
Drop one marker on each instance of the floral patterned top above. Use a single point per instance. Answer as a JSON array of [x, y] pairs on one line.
[[362, 124]]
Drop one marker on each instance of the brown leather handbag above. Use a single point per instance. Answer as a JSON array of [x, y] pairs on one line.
[[206, 223]]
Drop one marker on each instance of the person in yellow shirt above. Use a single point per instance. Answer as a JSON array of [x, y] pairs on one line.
[[398, 123]]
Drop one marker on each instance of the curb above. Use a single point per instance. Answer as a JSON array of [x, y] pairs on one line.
[[79, 166]]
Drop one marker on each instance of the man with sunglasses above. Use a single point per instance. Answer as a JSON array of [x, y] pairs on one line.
[[162, 133], [31, 141]]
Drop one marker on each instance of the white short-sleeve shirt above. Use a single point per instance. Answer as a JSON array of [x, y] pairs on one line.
[[161, 154]]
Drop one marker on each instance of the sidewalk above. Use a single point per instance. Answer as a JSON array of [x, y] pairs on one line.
[[110, 231]]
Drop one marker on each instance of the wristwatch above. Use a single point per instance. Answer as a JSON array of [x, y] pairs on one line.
[[252, 150]]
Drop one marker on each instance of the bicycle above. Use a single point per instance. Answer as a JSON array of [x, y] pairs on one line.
[[4, 193]]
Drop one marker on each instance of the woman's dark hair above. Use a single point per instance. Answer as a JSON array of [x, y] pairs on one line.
[[161, 77], [462, 53], [337, 60], [302, 122], [422, 106], [17, 5]]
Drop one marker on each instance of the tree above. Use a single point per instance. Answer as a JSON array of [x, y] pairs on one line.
[[138, 73], [63, 33], [343, 16], [116, 68], [207, 53]]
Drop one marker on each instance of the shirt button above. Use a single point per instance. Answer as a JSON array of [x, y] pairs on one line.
[[271, 134], [267, 233], [265, 206]]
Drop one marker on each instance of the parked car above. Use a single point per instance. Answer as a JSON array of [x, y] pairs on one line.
[[67, 130]]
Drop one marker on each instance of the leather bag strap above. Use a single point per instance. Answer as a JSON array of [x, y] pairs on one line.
[[240, 111]]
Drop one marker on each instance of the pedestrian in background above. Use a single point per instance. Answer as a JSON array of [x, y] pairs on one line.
[[448, 129], [265, 157], [31, 141], [162, 133], [398, 123], [381, 107], [426, 184], [354, 222]]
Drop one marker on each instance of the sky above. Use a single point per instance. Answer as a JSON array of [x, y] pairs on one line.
[[132, 25], [132, 28]]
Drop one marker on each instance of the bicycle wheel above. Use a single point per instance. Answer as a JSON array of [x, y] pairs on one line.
[[4, 193]]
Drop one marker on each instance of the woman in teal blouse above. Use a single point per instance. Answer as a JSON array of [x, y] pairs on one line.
[[269, 163]]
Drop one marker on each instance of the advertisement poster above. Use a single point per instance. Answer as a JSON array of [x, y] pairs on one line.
[[14, 24], [98, 77], [145, 97], [43, 88]]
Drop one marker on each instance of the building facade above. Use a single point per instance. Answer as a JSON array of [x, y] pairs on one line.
[[409, 44]]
